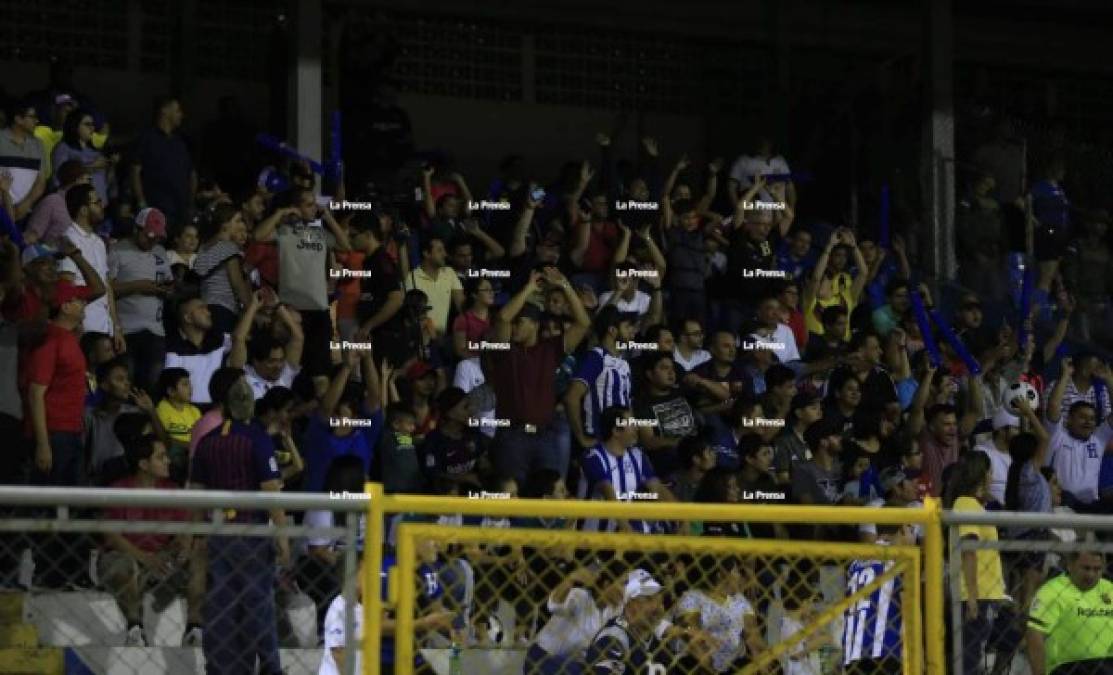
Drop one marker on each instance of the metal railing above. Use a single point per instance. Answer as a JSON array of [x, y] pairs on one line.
[[53, 530]]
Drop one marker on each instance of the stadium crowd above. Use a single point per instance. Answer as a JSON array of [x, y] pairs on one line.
[[642, 328]]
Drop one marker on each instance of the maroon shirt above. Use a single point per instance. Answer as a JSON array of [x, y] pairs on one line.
[[524, 381], [936, 458]]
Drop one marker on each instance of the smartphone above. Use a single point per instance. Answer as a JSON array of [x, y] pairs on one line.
[[537, 195]]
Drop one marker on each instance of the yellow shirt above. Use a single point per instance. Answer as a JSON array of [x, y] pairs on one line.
[[50, 138], [438, 291], [177, 423], [991, 581], [813, 307]]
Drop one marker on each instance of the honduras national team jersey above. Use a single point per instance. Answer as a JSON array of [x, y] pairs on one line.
[[608, 384], [615, 651], [628, 475], [429, 589], [873, 625]]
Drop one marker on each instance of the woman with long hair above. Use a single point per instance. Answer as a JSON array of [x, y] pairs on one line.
[[983, 583], [77, 143], [219, 264], [472, 324]]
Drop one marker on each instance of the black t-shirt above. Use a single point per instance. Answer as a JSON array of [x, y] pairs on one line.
[[673, 411], [764, 490], [442, 455], [385, 277]]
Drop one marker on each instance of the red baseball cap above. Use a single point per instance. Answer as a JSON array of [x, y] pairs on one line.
[[64, 291], [152, 221], [418, 370]]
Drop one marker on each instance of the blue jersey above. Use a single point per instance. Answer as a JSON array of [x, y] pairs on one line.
[[429, 590], [614, 651], [607, 379], [873, 625]]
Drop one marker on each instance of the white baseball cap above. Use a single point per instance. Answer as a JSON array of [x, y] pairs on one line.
[[641, 584]]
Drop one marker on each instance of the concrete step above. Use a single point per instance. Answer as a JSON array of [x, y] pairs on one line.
[[11, 607], [177, 661], [40, 661], [21, 635]]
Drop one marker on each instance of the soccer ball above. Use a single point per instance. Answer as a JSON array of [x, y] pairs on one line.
[[1019, 390]]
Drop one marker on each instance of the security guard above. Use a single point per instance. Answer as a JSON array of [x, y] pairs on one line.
[[1070, 624]]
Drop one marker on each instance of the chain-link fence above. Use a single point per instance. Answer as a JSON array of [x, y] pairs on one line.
[[172, 582], [1030, 593], [494, 587]]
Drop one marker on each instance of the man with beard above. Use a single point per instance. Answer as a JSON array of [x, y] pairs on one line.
[[201, 349], [1077, 443], [1070, 625], [87, 211]]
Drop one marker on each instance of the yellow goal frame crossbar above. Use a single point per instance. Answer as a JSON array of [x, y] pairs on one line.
[[381, 506]]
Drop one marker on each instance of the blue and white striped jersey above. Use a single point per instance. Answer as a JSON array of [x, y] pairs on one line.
[[608, 384], [628, 475], [873, 624]]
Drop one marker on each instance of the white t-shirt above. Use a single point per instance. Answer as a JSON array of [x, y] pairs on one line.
[[469, 377], [999, 463], [798, 661], [639, 305], [261, 386], [1077, 463], [782, 335], [335, 637], [723, 621], [573, 624], [748, 166], [97, 318]]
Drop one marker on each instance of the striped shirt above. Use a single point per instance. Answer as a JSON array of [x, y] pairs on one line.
[[628, 475], [607, 378], [873, 624], [23, 161], [235, 456]]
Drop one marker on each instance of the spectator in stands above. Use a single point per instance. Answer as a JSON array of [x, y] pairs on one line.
[[200, 347], [401, 469], [177, 415], [118, 397], [624, 295], [185, 249], [140, 276], [898, 490], [1006, 427], [77, 144], [827, 346], [472, 324], [137, 563], [381, 296], [615, 469], [657, 397], [440, 283], [348, 421], [50, 219], [219, 264], [831, 286], [696, 457], [888, 317], [717, 604], [271, 364], [689, 352], [630, 640], [523, 378], [222, 379], [790, 446], [162, 174], [1076, 446], [770, 329], [761, 162], [1083, 384], [686, 245], [239, 615], [455, 449], [816, 481], [87, 211], [796, 257], [23, 158], [1051, 209], [11, 413], [602, 377]]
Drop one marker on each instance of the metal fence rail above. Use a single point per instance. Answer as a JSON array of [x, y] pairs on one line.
[[62, 532], [1027, 555]]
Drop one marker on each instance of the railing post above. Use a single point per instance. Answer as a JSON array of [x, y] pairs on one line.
[[372, 567], [934, 654]]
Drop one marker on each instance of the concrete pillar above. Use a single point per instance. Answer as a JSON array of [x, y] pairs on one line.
[[306, 88], [937, 156]]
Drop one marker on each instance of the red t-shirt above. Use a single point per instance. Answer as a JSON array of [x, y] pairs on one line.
[[600, 247], [347, 289], [524, 381], [151, 543], [29, 304], [472, 326], [263, 256], [59, 365]]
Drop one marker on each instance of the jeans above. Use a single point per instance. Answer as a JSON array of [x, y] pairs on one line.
[[516, 454], [61, 558], [239, 615], [975, 637], [146, 353]]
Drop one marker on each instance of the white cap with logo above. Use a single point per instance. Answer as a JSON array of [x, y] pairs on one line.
[[640, 584]]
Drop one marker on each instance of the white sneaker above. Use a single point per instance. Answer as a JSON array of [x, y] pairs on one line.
[[135, 637], [192, 638]]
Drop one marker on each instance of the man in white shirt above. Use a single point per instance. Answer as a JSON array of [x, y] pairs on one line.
[[87, 211], [332, 661], [1077, 442], [770, 330], [1006, 426], [761, 163], [689, 353], [272, 364]]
